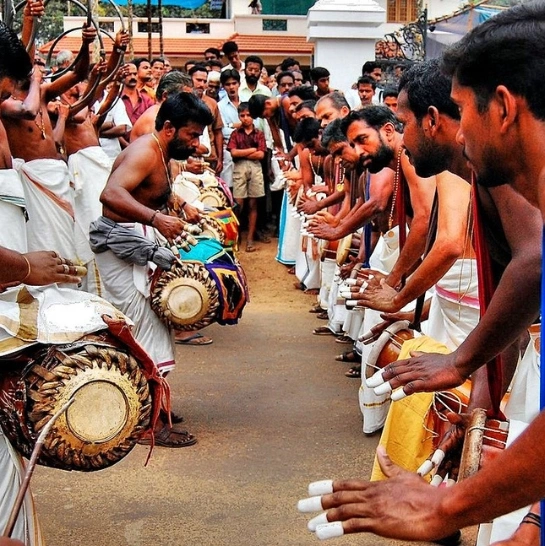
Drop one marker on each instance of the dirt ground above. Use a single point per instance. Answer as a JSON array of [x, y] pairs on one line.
[[272, 411]]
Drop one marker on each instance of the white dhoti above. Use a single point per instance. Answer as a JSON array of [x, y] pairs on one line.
[[12, 211], [227, 171], [336, 308], [288, 234], [89, 171], [26, 528], [128, 288], [50, 205], [454, 309], [327, 274], [307, 262], [374, 408]]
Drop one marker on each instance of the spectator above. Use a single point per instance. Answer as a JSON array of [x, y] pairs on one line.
[[247, 147], [389, 97], [144, 77], [366, 91], [212, 54], [136, 102], [319, 76]]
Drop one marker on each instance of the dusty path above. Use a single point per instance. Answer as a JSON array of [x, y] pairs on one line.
[[272, 411]]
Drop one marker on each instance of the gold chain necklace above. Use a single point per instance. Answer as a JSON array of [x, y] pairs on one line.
[[40, 125], [397, 176], [312, 164], [167, 171]]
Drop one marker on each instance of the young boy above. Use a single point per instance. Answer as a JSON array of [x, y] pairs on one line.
[[247, 147]]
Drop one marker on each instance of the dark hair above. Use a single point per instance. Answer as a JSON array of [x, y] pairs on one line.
[[288, 62], [228, 74], [157, 60], [172, 82], [319, 72], [306, 130], [254, 59], [181, 109], [243, 107], [374, 116], [390, 92], [229, 47], [284, 74], [304, 92], [310, 104], [214, 51], [427, 86], [15, 62], [213, 62], [191, 61], [197, 68], [367, 80], [138, 61], [337, 99], [368, 67], [256, 105], [507, 49], [332, 132]]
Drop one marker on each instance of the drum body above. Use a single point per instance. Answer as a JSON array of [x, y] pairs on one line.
[[110, 412], [205, 285], [387, 347], [223, 226], [213, 197]]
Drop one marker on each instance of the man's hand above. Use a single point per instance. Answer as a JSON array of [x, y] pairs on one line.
[[195, 166], [380, 298], [34, 8], [309, 206], [346, 269], [192, 214], [47, 267], [323, 231], [424, 372], [4, 541], [168, 226], [88, 34], [403, 507], [122, 39]]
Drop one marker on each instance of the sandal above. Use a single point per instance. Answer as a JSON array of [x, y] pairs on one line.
[[168, 437], [291, 270], [316, 309], [322, 316], [347, 356], [354, 372], [322, 331], [344, 339], [312, 291], [250, 247], [196, 339], [174, 417]]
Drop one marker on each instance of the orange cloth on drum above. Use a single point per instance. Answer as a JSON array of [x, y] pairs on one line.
[[406, 433]]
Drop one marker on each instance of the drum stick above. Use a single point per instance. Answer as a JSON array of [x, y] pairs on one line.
[[30, 469]]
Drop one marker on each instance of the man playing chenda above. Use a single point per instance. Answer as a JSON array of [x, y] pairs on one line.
[[497, 74], [135, 202]]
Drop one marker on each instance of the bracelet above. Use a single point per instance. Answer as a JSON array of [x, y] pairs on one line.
[[155, 213], [120, 49], [183, 206], [533, 519], [28, 265]]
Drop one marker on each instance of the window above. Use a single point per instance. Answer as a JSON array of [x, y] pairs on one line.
[[143, 27], [197, 28], [402, 11], [275, 24]]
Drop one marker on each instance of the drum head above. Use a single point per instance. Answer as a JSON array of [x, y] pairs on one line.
[[185, 300], [186, 297], [212, 228], [213, 197], [110, 410], [343, 249]]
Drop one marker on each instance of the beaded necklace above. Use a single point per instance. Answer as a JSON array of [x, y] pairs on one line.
[[397, 177], [167, 171]]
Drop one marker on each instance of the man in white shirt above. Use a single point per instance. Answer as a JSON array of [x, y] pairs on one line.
[[251, 85]]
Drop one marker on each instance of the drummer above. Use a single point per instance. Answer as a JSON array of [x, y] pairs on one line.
[[17, 266], [501, 122], [135, 200]]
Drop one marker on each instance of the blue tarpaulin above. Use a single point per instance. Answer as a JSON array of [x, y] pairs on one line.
[[186, 4]]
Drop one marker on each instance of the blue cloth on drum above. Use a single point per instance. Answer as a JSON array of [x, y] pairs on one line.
[[127, 244], [206, 250]]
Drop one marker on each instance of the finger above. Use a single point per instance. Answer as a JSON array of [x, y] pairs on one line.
[[389, 469], [322, 487], [330, 530]]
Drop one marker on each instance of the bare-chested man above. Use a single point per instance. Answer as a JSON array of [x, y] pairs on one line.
[[50, 199], [135, 200]]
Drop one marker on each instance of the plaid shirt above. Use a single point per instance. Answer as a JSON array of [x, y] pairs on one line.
[[240, 140]]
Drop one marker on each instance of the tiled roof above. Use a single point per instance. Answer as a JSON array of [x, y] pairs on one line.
[[194, 47]]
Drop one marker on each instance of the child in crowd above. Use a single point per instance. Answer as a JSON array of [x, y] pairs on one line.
[[247, 147]]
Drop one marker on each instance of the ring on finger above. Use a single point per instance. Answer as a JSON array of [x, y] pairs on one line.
[[66, 269]]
